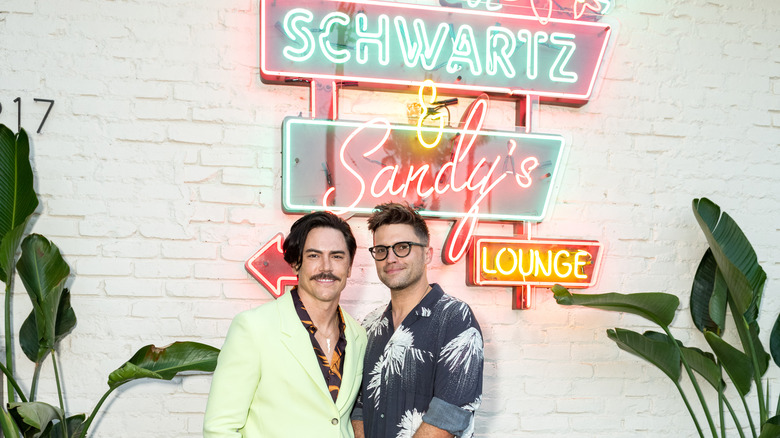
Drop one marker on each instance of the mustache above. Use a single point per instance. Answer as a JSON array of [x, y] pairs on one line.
[[325, 277]]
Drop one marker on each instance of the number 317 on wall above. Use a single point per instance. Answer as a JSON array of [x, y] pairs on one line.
[[18, 102]]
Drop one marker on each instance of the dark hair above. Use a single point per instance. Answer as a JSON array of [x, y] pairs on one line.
[[395, 213], [294, 242]]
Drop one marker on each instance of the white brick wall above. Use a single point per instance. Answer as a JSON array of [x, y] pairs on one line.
[[159, 174]]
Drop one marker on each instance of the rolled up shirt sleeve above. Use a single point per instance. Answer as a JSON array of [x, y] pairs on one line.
[[447, 416]]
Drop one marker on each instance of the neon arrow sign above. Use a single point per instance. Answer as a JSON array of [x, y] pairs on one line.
[[268, 267], [403, 44]]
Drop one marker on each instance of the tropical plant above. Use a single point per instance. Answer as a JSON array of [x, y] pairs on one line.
[[44, 272], [728, 277]]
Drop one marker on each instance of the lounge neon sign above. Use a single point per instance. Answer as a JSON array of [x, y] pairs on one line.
[[508, 261], [403, 44]]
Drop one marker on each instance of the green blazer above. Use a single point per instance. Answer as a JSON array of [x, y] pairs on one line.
[[268, 381]]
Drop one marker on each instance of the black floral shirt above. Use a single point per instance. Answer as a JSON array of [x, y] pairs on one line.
[[429, 369]]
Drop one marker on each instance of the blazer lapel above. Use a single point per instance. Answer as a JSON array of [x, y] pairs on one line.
[[349, 377], [297, 341]]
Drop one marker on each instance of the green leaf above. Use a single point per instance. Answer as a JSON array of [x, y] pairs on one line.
[[774, 341], [657, 307], [661, 353], [166, 362], [9, 244], [74, 423], [737, 364], [771, 429], [43, 273], [34, 417], [762, 356], [8, 425], [734, 254], [17, 195], [708, 296], [704, 364], [28, 334]]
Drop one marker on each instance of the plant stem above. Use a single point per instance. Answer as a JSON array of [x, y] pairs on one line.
[[747, 412], [95, 411], [57, 379], [694, 382], [12, 381], [34, 386], [690, 410], [720, 410], [759, 388], [736, 421], [9, 342]]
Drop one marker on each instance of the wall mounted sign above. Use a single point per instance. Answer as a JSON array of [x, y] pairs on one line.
[[401, 44], [499, 175], [268, 267], [514, 261], [526, 50]]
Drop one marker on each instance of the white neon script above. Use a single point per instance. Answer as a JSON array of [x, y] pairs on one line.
[[500, 51], [452, 176]]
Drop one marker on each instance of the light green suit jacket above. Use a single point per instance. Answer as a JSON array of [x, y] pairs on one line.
[[268, 381]]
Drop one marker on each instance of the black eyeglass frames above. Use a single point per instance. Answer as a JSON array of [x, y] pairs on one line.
[[400, 249]]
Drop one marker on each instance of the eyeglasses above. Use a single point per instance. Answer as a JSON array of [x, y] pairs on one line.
[[400, 249]]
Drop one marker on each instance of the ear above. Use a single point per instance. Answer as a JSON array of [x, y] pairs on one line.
[[428, 255]]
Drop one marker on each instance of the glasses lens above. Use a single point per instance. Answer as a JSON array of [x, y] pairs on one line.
[[402, 249], [379, 252]]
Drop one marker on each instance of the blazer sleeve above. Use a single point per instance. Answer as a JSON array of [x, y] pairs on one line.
[[235, 380]]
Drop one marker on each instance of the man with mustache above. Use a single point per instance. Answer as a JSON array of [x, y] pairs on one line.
[[422, 374], [292, 367]]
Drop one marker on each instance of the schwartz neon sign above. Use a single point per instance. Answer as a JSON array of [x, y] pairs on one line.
[[460, 49]]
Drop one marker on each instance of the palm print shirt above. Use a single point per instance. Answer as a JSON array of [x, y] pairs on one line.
[[429, 369]]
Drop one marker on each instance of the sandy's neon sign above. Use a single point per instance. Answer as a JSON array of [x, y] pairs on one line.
[[511, 261], [487, 175], [404, 44]]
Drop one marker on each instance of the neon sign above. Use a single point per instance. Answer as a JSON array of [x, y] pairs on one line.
[[458, 49], [511, 261], [268, 267], [519, 49], [488, 175]]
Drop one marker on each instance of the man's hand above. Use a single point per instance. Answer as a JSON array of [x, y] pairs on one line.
[[425, 431], [357, 426]]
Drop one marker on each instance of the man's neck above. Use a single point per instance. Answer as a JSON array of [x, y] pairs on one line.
[[323, 314], [403, 301]]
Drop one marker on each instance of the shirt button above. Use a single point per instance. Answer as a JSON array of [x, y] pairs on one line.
[[381, 415], [334, 421]]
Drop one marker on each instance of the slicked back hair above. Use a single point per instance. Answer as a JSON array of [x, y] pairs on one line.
[[294, 242], [395, 213]]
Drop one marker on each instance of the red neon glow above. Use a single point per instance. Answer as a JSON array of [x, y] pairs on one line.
[[546, 19], [481, 180], [268, 267], [591, 42], [579, 7]]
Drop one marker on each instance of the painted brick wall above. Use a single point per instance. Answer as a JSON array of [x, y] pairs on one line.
[[159, 175]]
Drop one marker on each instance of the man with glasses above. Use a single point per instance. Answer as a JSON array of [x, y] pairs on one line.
[[422, 373]]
